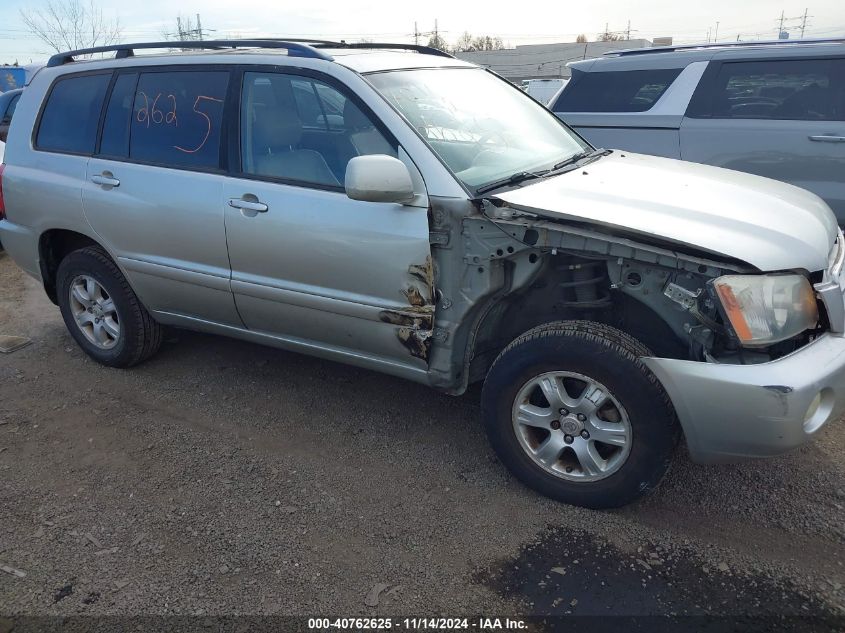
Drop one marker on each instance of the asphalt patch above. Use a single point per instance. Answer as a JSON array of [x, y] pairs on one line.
[[570, 580]]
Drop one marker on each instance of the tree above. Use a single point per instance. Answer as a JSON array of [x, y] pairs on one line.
[[468, 44], [436, 41], [581, 39], [464, 43], [609, 36], [70, 24]]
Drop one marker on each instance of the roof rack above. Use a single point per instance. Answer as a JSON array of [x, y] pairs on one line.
[[688, 47], [426, 50], [295, 48]]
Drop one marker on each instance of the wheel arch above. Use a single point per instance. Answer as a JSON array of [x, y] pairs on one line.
[[53, 246]]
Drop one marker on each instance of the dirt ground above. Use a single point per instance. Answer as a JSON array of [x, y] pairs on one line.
[[226, 478]]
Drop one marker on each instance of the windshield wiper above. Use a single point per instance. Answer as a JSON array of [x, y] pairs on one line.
[[522, 176], [579, 157], [513, 179]]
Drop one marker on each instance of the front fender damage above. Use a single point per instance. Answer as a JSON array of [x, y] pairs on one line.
[[416, 322]]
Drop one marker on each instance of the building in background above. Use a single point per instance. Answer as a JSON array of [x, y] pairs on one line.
[[544, 61]]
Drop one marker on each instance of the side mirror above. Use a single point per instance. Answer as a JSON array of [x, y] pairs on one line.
[[378, 178]]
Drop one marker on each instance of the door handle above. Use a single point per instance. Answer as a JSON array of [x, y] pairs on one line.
[[248, 205], [105, 179], [828, 138]]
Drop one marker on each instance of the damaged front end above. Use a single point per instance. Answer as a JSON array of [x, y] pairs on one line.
[[668, 296]]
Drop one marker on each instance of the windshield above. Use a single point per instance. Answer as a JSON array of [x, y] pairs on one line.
[[482, 128]]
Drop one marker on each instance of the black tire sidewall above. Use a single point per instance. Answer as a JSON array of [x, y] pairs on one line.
[[84, 262], [653, 425]]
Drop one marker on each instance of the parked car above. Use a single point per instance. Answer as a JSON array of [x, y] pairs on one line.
[[8, 103], [771, 109], [543, 90], [607, 300]]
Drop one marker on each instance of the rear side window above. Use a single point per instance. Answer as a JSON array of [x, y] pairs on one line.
[[803, 90], [616, 91], [70, 118], [177, 118]]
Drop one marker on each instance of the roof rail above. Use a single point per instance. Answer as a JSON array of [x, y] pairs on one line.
[[295, 48], [425, 50], [688, 47]]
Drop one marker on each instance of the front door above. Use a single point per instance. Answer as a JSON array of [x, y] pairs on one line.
[[309, 265]]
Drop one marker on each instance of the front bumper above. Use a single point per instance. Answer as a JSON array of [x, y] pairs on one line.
[[732, 412]]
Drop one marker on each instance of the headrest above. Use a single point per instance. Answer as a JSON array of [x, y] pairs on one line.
[[353, 118], [276, 127]]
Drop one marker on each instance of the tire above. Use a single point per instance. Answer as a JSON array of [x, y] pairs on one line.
[[637, 419], [138, 335]]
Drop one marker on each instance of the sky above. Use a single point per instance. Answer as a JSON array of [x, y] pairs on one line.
[[388, 20]]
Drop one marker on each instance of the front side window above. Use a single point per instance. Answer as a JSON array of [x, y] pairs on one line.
[[177, 118], [803, 90], [70, 118], [482, 128], [302, 129], [615, 91]]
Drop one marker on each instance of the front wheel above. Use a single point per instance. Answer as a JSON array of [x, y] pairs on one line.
[[573, 412]]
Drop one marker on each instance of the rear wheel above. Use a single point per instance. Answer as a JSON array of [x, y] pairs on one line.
[[101, 311], [573, 412]]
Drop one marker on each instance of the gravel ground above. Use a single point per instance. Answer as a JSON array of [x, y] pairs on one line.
[[226, 478]]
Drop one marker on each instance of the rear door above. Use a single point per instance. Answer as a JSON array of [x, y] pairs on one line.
[[633, 109], [154, 189], [779, 118], [309, 265]]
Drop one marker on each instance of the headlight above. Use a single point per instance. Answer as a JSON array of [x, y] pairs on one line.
[[765, 309]]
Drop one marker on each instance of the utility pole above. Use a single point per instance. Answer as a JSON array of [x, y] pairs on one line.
[[199, 27], [416, 34], [628, 32], [804, 23], [780, 30], [716, 36]]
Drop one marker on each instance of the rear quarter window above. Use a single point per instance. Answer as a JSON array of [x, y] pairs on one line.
[[71, 116], [615, 91]]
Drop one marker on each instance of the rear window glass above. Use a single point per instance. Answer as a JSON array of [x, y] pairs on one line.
[[804, 90], [70, 118], [177, 118], [617, 91]]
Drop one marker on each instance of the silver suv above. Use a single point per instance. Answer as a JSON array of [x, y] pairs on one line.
[[774, 109], [407, 212]]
